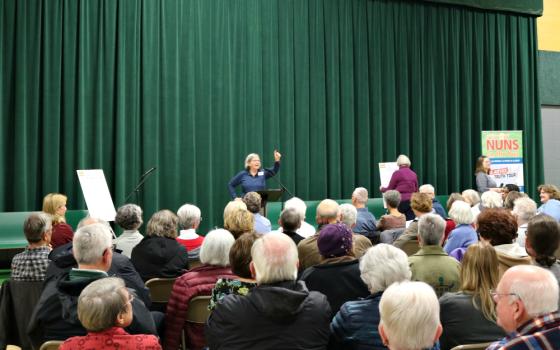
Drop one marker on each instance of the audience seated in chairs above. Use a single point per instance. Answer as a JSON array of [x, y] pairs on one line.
[[431, 264], [463, 235], [55, 316], [31, 264], [327, 213], [338, 274], [421, 204], [159, 254], [365, 222], [468, 316], [104, 309], [498, 227], [523, 210], [473, 198], [550, 199], [355, 326], [239, 260], [54, 204], [306, 229], [449, 223], [437, 208], [189, 220], [253, 202], [409, 316], [512, 196], [527, 309], [214, 255], [279, 313], [237, 219], [129, 218], [491, 200], [394, 218]]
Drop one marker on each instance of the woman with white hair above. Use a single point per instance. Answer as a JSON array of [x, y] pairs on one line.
[[189, 220], [405, 181], [463, 235], [473, 198], [355, 326], [214, 256], [253, 178], [305, 230]]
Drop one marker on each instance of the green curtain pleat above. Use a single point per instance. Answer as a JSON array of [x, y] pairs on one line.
[[193, 86]]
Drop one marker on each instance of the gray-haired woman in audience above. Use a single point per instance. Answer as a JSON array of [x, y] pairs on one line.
[[394, 219], [104, 309], [129, 218], [355, 325]]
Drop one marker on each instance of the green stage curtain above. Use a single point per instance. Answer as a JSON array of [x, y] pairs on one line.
[[193, 86]]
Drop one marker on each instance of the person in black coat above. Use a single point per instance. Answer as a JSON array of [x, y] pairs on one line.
[[338, 275], [159, 255]]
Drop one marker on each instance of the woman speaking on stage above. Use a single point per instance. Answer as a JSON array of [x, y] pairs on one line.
[[253, 178]]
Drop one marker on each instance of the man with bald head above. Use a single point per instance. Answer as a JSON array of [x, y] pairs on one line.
[[527, 309], [327, 213], [279, 313]]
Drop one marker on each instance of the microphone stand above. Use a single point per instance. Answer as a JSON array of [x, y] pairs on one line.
[[280, 183], [141, 181]]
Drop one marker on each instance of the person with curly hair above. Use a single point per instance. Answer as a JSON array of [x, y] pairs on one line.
[[550, 199], [498, 227]]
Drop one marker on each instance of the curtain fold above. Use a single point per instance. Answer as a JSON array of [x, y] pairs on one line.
[[193, 86]]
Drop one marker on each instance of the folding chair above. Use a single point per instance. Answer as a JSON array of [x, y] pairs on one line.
[[51, 345], [160, 289], [197, 313]]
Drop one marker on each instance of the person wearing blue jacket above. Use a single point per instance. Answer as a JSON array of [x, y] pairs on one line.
[[253, 178]]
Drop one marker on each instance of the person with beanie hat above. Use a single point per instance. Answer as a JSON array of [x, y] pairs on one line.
[[338, 274]]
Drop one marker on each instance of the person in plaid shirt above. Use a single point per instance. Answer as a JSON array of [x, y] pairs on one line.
[[32, 263], [527, 308]]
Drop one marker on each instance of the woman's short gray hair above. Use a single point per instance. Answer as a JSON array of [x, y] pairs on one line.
[[163, 224], [129, 217], [403, 160], [471, 196], [189, 216], [348, 214], [491, 199], [361, 195], [430, 229], [249, 158], [524, 208], [101, 302], [297, 204], [392, 198], [215, 247], [383, 265], [461, 213]]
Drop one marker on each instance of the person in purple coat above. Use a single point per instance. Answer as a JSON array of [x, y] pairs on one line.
[[405, 181]]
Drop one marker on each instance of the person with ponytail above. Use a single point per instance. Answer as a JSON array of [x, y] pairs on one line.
[[543, 239], [468, 316], [54, 204]]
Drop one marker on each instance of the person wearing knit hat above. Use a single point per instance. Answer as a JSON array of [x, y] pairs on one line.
[[338, 274]]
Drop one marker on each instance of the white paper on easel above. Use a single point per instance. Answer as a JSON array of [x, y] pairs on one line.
[[386, 170], [96, 193]]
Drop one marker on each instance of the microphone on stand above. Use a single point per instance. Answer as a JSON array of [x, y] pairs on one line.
[[141, 181]]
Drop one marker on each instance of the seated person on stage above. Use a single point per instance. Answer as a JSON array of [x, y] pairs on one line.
[[279, 313], [159, 255], [355, 326], [409, 317], [104, 309], [338, 274], [62, 261], [32, 263], [253, 202], [306, 229], [437, 208], [527, 309], [469, 316], [239, 260], [431, 264], [238, 220], [200, 280], [394, 218], [129, 218], [55, 205], [189, 220], [463, 235], [253, 178], [55, 316], [523, 209], [421, 204], [327, 213], [290, 222], [498, 227], [365, 223]]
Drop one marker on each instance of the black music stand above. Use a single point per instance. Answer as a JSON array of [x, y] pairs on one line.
[[269, 196]]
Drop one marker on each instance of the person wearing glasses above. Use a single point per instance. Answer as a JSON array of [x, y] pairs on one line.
[[105, 309], [527, 309], [253, 178]]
